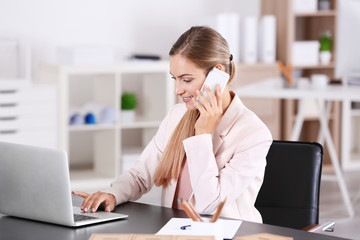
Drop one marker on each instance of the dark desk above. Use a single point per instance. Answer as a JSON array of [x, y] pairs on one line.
[[142, 219]]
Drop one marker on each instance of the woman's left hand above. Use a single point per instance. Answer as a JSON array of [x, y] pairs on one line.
[[210, 113]]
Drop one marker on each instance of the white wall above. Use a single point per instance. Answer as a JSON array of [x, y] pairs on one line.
[[132, 26]]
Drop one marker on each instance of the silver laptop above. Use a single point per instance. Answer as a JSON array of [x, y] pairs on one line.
[[35, 184]]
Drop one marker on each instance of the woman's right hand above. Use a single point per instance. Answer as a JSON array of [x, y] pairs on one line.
[[210, 113], [92, 202]]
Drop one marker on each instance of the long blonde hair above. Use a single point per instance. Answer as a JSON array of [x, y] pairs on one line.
[[206, 48]]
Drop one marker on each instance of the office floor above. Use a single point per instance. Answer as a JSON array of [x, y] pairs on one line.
[[333, 208]]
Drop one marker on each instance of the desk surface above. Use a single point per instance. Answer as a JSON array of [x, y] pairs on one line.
[[143, 218], [273, 88]]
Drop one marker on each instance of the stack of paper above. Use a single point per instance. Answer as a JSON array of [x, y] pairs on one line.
[[173, 227]]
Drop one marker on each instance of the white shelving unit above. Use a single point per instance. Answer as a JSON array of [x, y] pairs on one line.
[[28, 115], [295, 26], [96, 152], [27, 111]]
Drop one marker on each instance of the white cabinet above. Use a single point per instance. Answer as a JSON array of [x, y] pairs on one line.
[[28, 115], [99, 152]]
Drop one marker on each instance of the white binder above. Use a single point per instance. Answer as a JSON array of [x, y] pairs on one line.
[[267, 39], [249, 39]]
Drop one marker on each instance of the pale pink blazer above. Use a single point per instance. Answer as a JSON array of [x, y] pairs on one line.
[[228, 163]]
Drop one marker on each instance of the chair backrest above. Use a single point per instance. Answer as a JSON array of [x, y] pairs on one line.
[[289, 196]]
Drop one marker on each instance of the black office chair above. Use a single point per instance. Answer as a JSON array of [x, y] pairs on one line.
[[289, 196]]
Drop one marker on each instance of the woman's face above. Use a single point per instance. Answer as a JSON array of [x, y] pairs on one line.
[[188, 78]]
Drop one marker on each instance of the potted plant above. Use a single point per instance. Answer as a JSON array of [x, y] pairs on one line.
[[325, 47], [128, 106]]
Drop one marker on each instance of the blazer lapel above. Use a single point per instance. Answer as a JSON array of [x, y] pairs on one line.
[[227, 121]]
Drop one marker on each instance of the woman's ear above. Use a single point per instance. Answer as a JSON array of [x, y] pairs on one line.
[[220, 67]]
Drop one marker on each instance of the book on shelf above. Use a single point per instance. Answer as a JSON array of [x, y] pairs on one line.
[[353, 81]]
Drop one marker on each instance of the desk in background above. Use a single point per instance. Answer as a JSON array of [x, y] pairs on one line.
[[273, 88], [143, 218]]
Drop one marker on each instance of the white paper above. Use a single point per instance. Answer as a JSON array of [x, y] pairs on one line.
[[172, 227]]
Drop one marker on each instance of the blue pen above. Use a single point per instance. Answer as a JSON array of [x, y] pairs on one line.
[[186, 227]]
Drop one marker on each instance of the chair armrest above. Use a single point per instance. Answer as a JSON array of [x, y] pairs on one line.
[[313, 228], [327, 226]]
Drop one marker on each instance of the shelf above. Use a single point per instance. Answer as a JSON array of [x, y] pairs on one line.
[[105, 147], [323, 13], [6, 83], [305, 26], [100, 127], [95, 127], [132, 67], [138, 66], [355, 112], [328, 66], [140, 124]]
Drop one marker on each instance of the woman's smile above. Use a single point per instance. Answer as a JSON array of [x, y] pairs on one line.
[[187, 99]]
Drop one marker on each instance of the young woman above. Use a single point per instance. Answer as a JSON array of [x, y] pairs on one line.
[[202, 153]]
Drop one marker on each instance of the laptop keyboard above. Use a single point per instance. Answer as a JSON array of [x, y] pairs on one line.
[[80, 217]]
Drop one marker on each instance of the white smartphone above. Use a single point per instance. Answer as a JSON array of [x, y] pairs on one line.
[[215, 77]]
